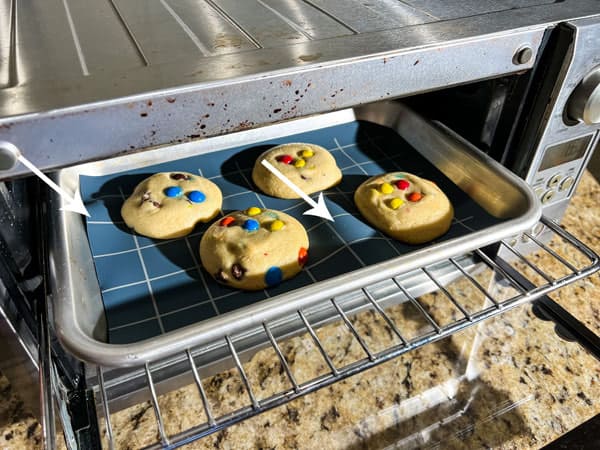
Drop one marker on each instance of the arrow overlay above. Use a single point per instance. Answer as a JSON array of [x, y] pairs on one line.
[[74, 203], [319, 208]]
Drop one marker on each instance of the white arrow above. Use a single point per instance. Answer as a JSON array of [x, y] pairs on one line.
[[319, 208], [73, 203]]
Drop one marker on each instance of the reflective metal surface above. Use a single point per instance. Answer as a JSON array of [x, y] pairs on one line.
[[177, 71], [128, 384], [584, 104], [78, 306]]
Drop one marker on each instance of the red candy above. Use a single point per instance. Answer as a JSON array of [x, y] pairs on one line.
[[226, 221], [414, 196], [285, 159], [402, 184], [302, 256]]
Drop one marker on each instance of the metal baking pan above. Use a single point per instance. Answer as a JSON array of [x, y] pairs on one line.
[[507, 202]]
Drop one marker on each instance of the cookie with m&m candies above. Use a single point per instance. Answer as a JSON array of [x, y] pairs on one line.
[[404, 206], [254, 249], [168, 205], [310, 167]]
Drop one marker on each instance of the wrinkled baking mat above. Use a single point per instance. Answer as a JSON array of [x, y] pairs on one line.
[[152, 286]]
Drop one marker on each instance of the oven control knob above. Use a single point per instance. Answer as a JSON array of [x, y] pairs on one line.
[[566, 184], [548, 195], [584, 104], [553, 182]]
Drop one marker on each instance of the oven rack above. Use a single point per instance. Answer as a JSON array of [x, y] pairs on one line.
[[506, 261]]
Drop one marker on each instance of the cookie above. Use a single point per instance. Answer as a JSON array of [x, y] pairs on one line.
[[405, 207], [254, 249], [308, 166], [170, 204]]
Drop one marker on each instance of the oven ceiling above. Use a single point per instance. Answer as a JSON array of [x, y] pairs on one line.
[[108, 61]]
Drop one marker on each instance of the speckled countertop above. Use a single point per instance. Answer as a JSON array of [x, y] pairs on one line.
[[510, 382]]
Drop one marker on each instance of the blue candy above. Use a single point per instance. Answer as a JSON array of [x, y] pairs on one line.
[[173, 191], [251, 225], [273, 276], [196, 196]]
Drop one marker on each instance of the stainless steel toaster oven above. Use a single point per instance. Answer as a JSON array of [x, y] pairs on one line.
[[499, 102]]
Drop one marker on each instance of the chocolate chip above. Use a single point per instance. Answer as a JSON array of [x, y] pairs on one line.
[[156, 204], [31, 429], [220, 276], [237, 271], [303, 177], [179, 176]]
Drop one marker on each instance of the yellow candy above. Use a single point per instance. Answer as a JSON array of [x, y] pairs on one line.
[[386, 188], [253, 211], [307, 153], [276, 225], [396, 203], [299, 163]]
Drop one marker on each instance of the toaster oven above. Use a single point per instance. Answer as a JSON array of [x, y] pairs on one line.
[[498, 102]]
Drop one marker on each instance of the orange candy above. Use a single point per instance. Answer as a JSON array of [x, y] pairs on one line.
[[226, 221], [414, 196], [302, 256]]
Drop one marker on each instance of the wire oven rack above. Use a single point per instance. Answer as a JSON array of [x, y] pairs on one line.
[[148, 382]]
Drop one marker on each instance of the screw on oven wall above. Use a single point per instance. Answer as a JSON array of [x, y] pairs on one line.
[[522, 55]]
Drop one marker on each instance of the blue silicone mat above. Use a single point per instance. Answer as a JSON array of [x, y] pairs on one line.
[[151, 286]]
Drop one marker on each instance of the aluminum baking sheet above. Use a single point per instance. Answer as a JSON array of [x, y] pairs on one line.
[[352, 255], [150, 287]]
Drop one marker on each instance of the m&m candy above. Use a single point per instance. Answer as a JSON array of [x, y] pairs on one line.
[[402, 185], [273, 276], [253, 211], [226, 221], [302, 256], [299, 163], [396, 203], [386, 188], [251, 225], [196, 196], [285, 159], [307, 153], [173, 191], [276, 225], [414, 196]]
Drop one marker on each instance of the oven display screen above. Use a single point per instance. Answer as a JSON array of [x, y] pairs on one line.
[[564, 153]]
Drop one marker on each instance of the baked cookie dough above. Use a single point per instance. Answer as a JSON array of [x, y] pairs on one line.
[[308, 166], [405, 207], [254, 249], [170, 204]]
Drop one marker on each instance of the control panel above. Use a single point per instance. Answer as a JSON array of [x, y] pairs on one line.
[[559, 167], [569, 129]]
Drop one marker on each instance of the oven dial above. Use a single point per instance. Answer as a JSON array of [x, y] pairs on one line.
[[548, 195], [584, 104], [566, 184], [553, 182], [538, 191]]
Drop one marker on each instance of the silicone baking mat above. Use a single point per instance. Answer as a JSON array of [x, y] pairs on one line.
[[151, 286]]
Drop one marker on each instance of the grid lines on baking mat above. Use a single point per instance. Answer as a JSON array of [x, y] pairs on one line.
[[154, 286]]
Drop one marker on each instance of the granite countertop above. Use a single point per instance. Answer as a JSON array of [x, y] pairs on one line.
[[510, 382]]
